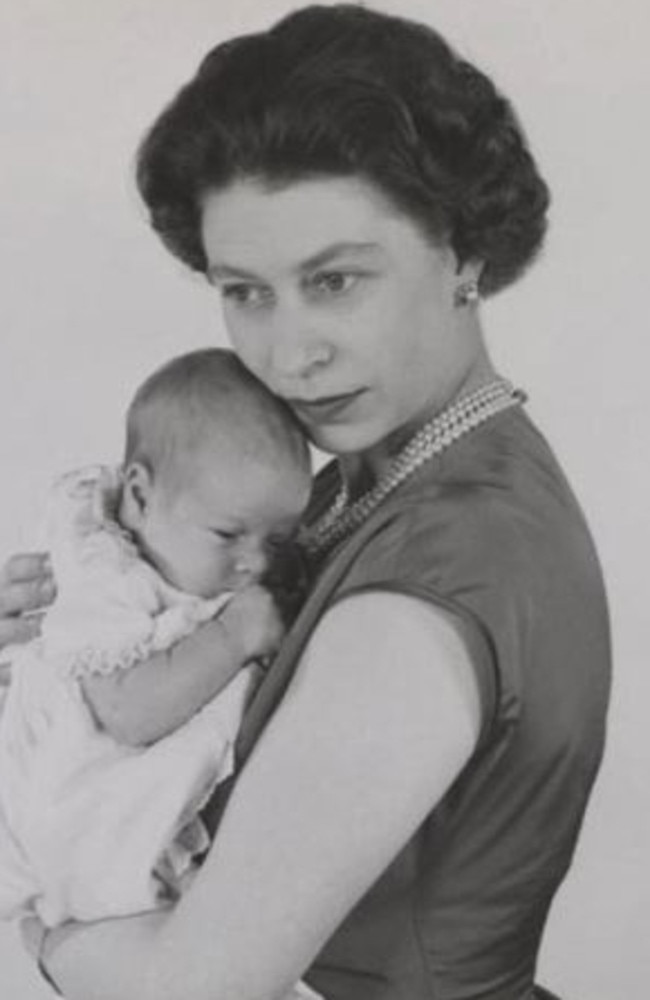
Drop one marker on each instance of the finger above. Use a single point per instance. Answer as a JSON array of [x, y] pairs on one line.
[[17, 598], [26, 566], [19, 630]]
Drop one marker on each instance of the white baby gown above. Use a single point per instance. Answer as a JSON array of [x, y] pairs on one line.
[[90, 828]]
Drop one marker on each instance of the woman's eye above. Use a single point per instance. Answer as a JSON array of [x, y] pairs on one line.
[[246, 296], [334, 282]]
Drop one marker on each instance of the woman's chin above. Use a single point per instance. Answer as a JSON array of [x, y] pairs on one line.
[[342, 439]]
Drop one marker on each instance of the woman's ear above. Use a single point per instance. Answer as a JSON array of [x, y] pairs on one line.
[[136, 495]]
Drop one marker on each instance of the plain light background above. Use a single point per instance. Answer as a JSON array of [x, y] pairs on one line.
[[90, 303]]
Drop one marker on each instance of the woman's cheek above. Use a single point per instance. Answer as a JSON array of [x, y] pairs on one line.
[[240, 336]]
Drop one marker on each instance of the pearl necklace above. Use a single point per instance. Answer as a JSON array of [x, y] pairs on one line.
[[434, 437]]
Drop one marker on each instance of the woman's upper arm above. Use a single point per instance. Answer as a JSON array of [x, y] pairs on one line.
[[381, 716]]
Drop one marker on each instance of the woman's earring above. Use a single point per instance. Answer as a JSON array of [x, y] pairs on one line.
[[467, 293]]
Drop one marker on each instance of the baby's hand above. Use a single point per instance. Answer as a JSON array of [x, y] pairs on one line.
[[253, 623]]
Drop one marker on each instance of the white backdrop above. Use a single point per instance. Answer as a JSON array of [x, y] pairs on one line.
[[90, 303]]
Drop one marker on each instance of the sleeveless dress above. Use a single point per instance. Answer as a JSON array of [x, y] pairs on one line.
[[491, 532]]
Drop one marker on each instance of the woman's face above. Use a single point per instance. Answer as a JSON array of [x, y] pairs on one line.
[[338, 302]]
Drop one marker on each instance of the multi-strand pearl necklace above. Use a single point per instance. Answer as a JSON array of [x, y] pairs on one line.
[[434, 437]]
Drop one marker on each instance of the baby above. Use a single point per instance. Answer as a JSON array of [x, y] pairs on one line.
[[121, 718]]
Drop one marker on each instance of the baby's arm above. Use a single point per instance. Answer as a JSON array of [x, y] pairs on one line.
[[153, 698]]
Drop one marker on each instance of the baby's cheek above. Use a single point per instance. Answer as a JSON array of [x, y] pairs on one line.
[[223, 571]]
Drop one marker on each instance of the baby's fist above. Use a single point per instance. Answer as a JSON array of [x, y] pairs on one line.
[[253, 623]]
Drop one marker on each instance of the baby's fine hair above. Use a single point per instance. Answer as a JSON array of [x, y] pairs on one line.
[[204, 400]]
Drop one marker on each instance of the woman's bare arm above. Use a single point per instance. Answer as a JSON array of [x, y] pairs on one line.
[[380, 718], [150, 700]]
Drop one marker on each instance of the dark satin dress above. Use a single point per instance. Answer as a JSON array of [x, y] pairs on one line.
[[491, 532]]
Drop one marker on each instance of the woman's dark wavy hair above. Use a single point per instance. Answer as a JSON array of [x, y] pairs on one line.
[[346, 91]]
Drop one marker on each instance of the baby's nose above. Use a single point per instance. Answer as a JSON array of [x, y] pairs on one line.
[[251, 563]]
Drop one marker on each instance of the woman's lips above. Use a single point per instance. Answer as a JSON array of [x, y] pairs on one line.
[[325, 409]]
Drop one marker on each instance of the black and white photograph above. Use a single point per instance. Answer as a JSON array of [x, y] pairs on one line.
[[323, 429]]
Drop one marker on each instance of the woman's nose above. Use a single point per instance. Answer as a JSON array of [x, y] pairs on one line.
[[298, 351]]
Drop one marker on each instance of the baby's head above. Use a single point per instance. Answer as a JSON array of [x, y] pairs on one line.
[[216, 473]]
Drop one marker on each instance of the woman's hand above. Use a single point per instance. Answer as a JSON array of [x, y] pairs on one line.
[[26, 586]]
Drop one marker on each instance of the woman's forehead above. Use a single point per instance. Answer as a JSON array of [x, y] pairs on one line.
[[304, 223]]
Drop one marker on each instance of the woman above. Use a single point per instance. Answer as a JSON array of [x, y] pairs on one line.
[[416, 766]]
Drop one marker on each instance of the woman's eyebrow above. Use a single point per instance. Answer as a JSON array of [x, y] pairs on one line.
[[337, 250], [220, 271]]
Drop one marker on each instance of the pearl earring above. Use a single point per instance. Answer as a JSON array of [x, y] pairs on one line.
[[467, 293]]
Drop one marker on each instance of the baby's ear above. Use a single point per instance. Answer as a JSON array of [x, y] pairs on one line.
[[136, 494]]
